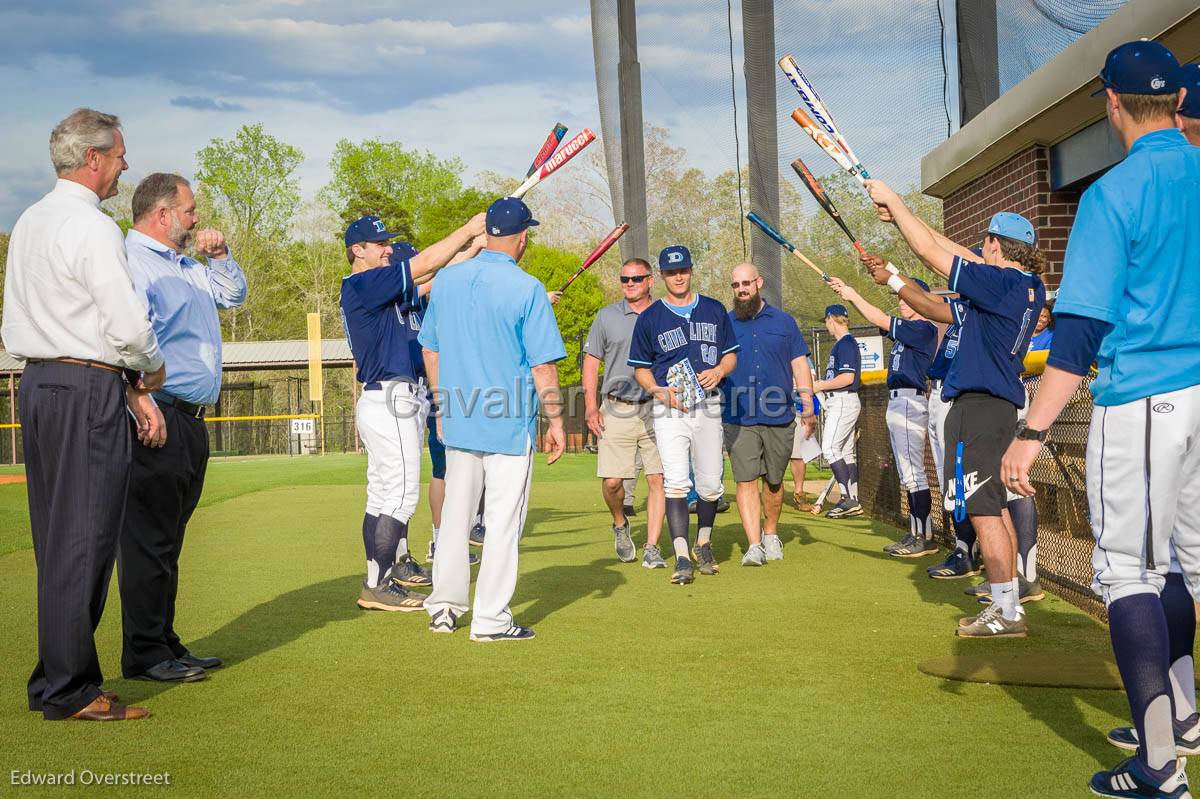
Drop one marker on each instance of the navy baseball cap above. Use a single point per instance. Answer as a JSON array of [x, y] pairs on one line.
[[1012, 226], [674, 257], [1141, 67], [368, 228], [508, 216], [1188, 78], [836, 310], [402, 251], [924, 286]]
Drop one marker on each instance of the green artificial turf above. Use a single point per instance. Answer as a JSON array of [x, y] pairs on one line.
[[795, 680]]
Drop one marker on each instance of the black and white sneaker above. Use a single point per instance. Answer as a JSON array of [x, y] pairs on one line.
[[1130, 781], [407, 571], [478, 532], [684, 573], [513, 633], [845, 509], [1187, 742], [444, 621]]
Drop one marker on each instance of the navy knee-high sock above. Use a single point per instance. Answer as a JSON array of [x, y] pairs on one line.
[[706, 514], [853, 468], [677, 524], [1137, 626], [920, 505], [964, 533], [841, 473], [1180, 610], [1024, 518], [388, 532]]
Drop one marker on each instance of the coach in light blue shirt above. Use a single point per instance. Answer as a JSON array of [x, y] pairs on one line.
[[183, 296]]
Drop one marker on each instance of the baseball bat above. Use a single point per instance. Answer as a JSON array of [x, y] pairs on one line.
[[556, 161], [601, 248], [548, 147], [824, 142], [818, 192], [820, 113], [766, 227], [816, 510]]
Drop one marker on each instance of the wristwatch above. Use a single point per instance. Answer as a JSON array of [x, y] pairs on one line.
[[1027, 433]]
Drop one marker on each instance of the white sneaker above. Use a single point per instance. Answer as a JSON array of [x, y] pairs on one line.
[[755, 556], [773, 546]]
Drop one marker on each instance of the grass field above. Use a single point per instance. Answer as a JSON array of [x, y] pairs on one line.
[[798, 679]]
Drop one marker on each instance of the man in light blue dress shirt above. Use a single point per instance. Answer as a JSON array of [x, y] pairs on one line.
[[183, 296]]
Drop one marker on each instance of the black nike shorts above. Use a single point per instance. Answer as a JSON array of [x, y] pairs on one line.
[[984, 425]]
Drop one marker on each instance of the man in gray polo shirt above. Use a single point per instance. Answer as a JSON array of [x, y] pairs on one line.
[[623, 423]]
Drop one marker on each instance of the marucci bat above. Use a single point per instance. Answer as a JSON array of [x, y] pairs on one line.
[[556, 161], [766, 227], [601, 248], [548, 148]]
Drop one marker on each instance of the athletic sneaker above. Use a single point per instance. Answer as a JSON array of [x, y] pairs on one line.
[[1030, 592], [756, 555], [626, 552], [1186, 742], [992, 624], [390, 596], [903, 542], [918, 547], [652, 558], [683, 572], [722, 505], [845, 509], [957, 564], [1129, 781], [407, 571], [980, 591], [444, 621], [705, 561], [513, 633], [628, 511], [773, 546], [477, 533]]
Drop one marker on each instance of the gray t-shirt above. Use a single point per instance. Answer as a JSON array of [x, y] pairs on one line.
[[608, 340]]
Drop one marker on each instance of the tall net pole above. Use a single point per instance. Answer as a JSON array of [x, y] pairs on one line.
[[758, 42], [633, 160]]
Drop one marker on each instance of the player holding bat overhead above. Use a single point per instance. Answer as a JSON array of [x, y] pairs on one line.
[[683, 347]]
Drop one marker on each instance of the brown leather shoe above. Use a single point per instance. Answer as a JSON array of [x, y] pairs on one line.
[[104, 709], [111, 696]]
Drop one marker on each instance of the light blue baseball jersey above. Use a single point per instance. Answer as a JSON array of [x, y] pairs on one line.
[[490, 323], [1132, 262]]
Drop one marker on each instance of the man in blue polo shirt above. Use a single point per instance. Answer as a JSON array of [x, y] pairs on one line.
[[391, 411], [1129, 301], [491, 346], [759, 419]]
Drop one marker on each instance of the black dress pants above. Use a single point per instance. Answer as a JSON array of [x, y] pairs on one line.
[[163, 491], [75, 430]]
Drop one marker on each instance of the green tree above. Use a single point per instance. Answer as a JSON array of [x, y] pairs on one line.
[[578, 306]]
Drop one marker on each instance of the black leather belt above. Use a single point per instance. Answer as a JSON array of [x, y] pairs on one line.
[[378, 385], [615, 398], [183, 406], [895, 392]]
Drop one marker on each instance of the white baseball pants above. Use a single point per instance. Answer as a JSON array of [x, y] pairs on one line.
[[907, 419], [936, 427], [391, 424], [507, 479], [691, 442], [841, 411], [1143, 484]]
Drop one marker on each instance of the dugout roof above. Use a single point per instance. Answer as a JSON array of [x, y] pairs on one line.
[[247, 356]]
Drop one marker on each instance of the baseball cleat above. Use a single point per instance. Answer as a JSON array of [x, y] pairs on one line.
[[683, 572], [903, 542], [652, 558], [992, 624], [477, 533], [722, 505], [1129, 780], [772, 546], [755, 556], [513, 633], [1187, 742], [626, 552], [390, 596], [705, 562], [845, 509], [444, 621], [957, 564], [918, 547], [407, 571]]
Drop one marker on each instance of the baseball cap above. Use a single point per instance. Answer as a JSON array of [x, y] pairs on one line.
[[1141, 67], [924, 286], [368, 228], [508, 216], [402, 251], [1012, 226], [836, 310], [1188, 78], [675, 257], [978, 251]]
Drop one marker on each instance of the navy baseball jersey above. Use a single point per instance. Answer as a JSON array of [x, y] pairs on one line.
[[1003, 306], [843, 358], [912, 352], [375, 328], [411, 314], [666, 334], [948, 348]]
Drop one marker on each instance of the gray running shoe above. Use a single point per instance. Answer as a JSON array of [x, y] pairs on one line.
[[1030, 591], [444, 621], [626, 552], [845, 509], [773, 546], [903, 542], [756, 555], [705, 561], [683, 572], [390, 596], [992, 624], [918, 547], [407, 571], [652, 558], [1186, 742], [980, 590], [477, 533]]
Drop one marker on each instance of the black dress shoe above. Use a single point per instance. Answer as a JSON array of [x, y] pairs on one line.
[[200, 663], [172, 671]]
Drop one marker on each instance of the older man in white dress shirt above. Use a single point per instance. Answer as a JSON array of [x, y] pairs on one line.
[[71, 313]]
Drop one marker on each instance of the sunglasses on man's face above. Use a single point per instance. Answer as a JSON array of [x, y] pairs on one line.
[[633, 278], [745, 284]]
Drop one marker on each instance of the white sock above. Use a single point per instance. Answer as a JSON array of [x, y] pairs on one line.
[[1008, 598], [703, 535], [435, 532], [1182, 689], [401, 549], [681, 547]]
